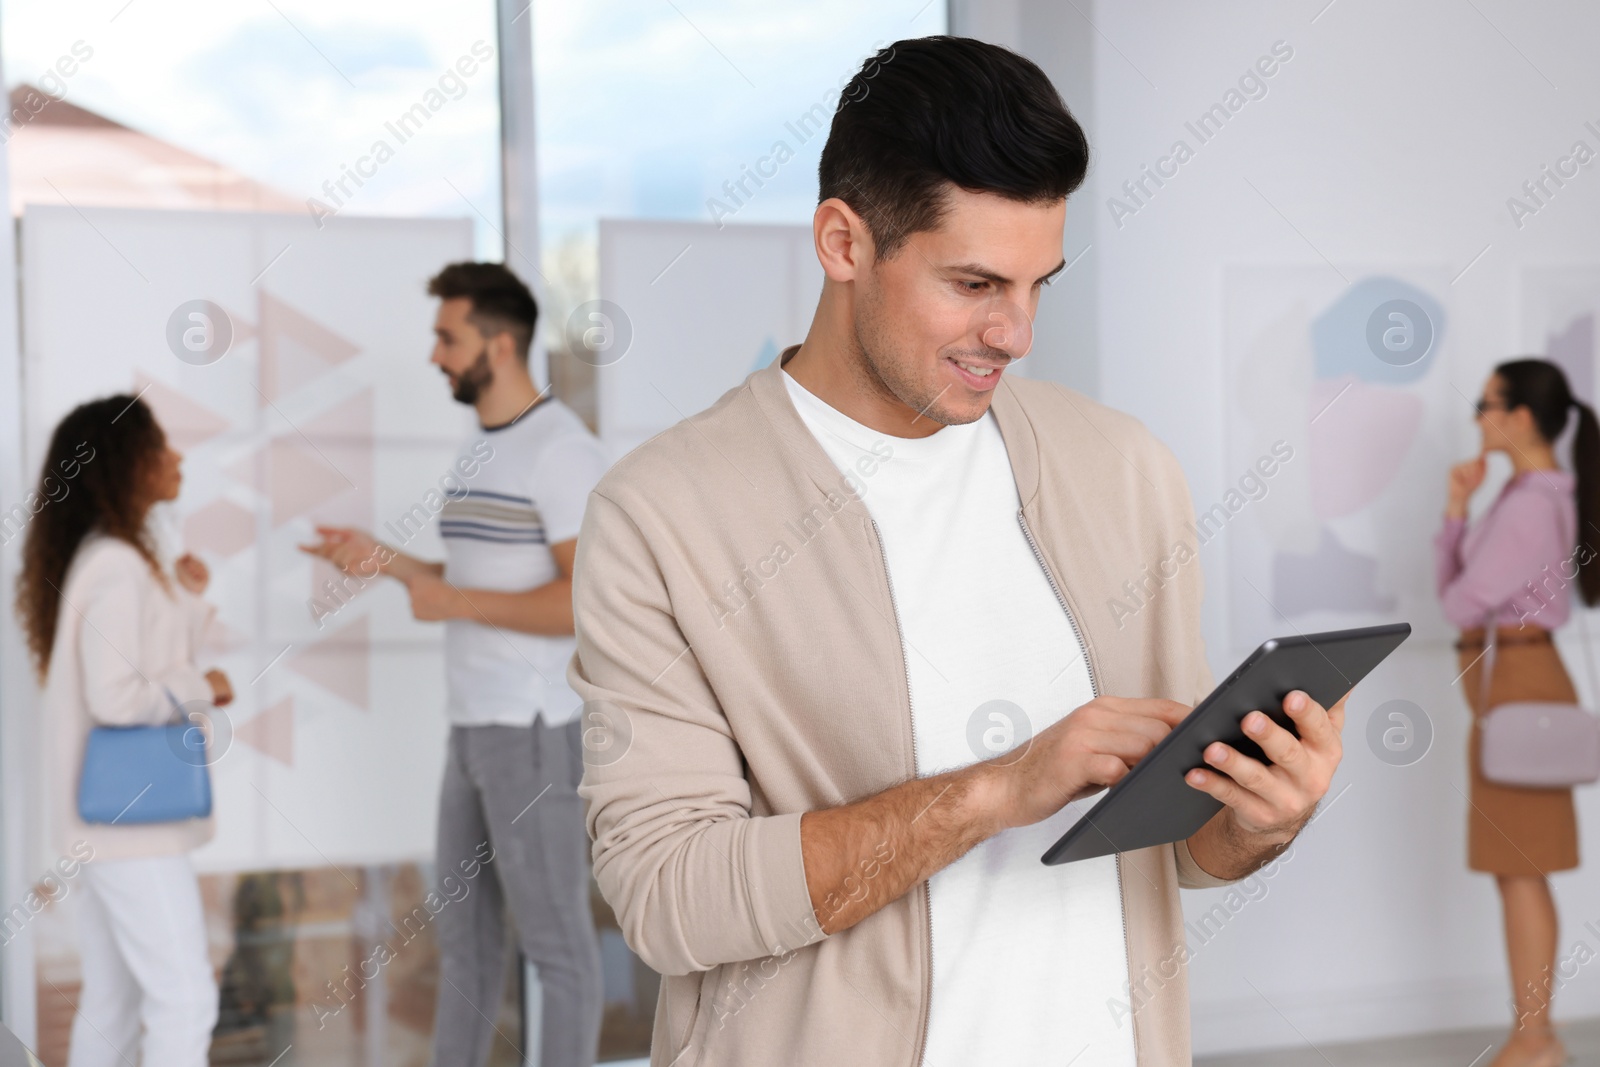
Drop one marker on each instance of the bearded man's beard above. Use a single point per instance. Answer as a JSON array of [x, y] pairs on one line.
[[472, 381]]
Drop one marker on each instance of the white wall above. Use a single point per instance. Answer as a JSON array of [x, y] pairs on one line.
[[1394, 136], [1052, 35]]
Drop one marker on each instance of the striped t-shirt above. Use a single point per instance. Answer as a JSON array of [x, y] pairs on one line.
[[533, 478]]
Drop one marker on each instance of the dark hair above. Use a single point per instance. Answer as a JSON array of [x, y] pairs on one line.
[[928, 112], [1541, 387], [95, 479], [501, 303]]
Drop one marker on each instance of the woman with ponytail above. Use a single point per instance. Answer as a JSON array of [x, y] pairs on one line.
[[1517, 570], [113, 634]]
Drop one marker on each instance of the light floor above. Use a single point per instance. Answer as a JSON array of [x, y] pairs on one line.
[[1459, 1048], [1456, 1048]]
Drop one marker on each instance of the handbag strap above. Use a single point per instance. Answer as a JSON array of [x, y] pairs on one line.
[[1582, 612], [1489, 634], [1488, 664]]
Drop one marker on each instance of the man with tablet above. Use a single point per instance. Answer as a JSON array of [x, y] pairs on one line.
[[806, 615]]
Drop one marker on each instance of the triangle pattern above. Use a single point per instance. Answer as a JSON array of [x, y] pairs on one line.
[[339, 663], [300, 479], [344, 436], [295, 348], [271, 732], [221, 527], [186, 422]]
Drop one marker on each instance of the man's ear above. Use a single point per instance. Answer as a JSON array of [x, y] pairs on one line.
[[844, 246], [503, 350]]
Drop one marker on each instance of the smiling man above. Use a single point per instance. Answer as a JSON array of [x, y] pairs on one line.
[[845, 664]]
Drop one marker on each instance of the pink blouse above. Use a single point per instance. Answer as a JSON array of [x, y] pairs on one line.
[[1519, 559]]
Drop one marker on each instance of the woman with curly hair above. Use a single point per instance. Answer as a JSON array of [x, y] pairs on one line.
[[113, 636]]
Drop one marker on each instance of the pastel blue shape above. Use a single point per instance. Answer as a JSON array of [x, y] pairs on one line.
[[769, 352], [1382, 330]]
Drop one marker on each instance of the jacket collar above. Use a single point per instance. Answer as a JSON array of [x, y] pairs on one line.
[[772, 396]]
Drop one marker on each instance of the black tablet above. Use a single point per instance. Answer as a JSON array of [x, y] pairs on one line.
[[1153, 805]]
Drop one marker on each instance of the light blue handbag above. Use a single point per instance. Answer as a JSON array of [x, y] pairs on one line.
[[145, 774]]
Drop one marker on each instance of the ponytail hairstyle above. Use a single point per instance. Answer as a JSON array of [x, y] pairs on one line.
[[1541, 387], [95, 479]]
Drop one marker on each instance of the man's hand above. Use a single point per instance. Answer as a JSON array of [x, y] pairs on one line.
[[352, 551], [192, 573], [358, 553], [1091, 748], [860, 856], [433, 599], [1267, 806]]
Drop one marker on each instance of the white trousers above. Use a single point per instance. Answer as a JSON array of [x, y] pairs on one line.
[[142, 942]]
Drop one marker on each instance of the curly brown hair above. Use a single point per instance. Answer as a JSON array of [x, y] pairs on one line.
[[95, 479]]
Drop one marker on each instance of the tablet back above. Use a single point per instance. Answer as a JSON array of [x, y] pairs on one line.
[[1153, 805]]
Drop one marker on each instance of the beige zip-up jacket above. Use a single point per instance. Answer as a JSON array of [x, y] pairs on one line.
[[740, 661]]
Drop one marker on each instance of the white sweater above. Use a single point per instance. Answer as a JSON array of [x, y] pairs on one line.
[[122, 643]]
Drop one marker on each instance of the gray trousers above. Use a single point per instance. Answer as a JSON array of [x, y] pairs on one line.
[[516, 789]]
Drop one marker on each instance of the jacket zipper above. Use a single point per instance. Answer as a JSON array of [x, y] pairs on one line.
[[1094, 686], [927, 895], [1094, 689]]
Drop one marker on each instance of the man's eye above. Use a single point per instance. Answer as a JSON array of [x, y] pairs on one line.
[[974, 287]]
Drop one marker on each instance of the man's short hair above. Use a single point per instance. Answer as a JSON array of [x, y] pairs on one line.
[[500, 302], [928, 112]]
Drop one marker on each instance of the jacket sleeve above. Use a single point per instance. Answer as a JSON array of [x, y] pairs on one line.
[[1447, 553], [695, 879], [116, 689], [1190, 874]]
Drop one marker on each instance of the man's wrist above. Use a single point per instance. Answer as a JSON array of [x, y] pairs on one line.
[[1238, 850], [1255, 841], [386, 559], [984, 798]]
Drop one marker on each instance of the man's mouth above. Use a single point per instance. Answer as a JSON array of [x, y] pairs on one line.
[[978, 374]]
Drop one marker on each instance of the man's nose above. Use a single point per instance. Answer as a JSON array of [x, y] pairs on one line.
[[1004, 326]]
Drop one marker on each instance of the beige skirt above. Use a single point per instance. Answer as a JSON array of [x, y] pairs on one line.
[[1512, 830]]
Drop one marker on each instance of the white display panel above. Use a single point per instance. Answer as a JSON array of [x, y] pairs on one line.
[[1357, 439], [1560, 310], [704, 305], [324, 409]]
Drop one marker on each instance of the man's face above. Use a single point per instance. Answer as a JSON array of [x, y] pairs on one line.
[[461, 350], [963, 293]]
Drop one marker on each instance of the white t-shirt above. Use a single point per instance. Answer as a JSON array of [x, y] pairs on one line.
[[532, 480], [1027, 959]]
